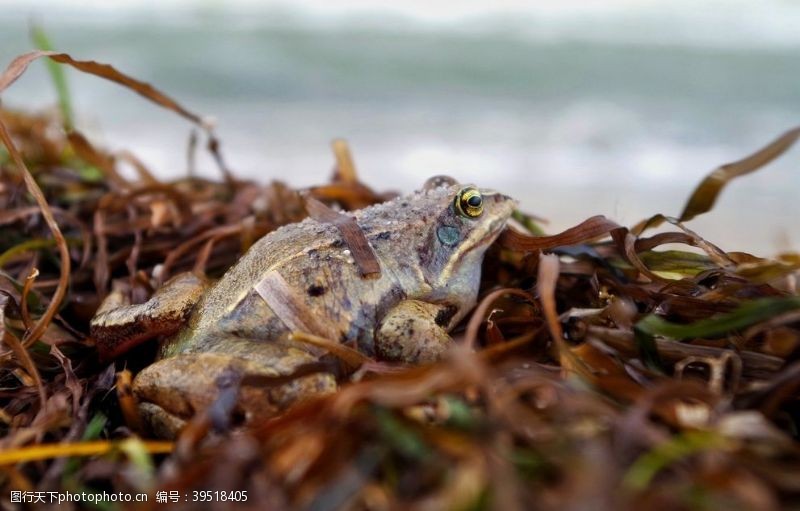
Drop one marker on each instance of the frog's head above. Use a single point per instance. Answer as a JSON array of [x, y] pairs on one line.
[[468, 220]]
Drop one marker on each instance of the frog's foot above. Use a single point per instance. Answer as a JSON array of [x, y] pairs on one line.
[[159, 422], [414, 332], [174, 389], [118, 326]]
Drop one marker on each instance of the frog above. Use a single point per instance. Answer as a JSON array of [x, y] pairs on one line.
[[429, 245]]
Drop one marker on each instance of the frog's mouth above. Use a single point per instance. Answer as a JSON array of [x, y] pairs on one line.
[[495, 228], [501, 209]]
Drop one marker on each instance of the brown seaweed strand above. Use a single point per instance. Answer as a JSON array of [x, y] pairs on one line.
[[354, 237], [63, 280]]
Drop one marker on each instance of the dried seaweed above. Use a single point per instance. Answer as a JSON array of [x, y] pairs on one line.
[[598, 369], [703, 198], [355, 239]]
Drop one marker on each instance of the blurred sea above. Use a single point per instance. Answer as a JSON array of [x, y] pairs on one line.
[[618, 108]]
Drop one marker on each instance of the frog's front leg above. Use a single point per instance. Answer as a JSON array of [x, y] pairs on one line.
[[118, 326], [174, 389], [414, 332]]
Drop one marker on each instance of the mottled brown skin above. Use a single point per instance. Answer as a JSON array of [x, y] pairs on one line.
[[430, 254]]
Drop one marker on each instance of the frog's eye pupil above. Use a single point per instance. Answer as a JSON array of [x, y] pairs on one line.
[[469, 202]]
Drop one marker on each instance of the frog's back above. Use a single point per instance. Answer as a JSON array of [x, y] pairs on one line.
[[229, 299], [277, 250]]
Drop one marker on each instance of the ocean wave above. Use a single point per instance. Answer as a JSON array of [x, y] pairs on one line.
[[687, 23]]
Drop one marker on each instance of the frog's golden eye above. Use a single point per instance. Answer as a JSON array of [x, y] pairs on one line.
[[469, 202]]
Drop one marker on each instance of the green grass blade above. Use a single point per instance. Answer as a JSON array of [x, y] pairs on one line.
[[649, 464], [747, 314], [57, 74]]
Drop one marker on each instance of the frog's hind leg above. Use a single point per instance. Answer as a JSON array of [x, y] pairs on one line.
[[119, 326], [273, 375]]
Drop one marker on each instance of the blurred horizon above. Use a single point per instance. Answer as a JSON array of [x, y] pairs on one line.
[[617, 108]]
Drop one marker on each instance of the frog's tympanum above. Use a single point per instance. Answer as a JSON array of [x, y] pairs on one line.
[[430, 246]]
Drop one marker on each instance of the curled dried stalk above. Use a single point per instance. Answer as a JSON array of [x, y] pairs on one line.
[[38, 330], [477, 318], [212, 235], [26, 361], [26, 289], [706, 193], [546, 285], [346, 354], [584, 232]]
